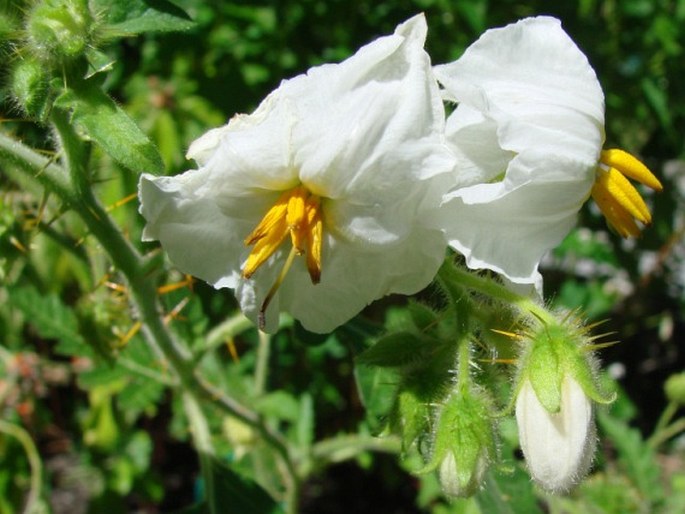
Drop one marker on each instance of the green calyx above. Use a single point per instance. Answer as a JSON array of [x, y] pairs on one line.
[[553, 351], [463, 441]]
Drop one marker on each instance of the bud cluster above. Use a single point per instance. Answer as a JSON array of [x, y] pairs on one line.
[[50, 47], [445, 409]]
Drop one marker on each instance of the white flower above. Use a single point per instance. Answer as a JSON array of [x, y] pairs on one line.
[[337, 172], [558, 447], [528, 132]]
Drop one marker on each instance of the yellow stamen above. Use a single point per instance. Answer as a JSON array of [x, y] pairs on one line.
[[616, 197], [631, 167], [296, 212]]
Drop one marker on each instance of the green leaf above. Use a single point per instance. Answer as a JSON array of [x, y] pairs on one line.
[[99, 119], [508, 494], [636, 456], [235, 494], [138, 16], [139, 394], [51, 319], [378, 390], [396, 350], [280, 405]]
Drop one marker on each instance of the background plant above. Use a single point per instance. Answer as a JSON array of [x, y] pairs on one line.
[[99, 409]]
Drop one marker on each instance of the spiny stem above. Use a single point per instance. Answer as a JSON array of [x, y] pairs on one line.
[[134, 267]]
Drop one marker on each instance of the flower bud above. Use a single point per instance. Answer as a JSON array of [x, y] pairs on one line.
[[60, 28], [675, 388], [464, 442], [554, 407], [29, 84], [559, 446]]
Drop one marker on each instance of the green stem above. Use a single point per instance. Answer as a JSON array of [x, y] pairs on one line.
[[262, 364], [25, 440], [464, 364], [493, 289], [203, 444], [666, 433], [347, 447], [226, 330], [50, 175], [135, 268], [666, 417]]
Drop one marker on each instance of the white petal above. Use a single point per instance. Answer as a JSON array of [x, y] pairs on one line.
[[534, 81], [183, 213], [351, 279], [558, 447], [508, 227], [371, 128], [254, 150], [541, 123]]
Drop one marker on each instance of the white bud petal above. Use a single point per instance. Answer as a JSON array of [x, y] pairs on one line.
[[558, 447], [462, 482]]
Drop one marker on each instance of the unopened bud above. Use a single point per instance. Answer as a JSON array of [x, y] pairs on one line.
[[558, 446], [60, 28], [30, 86], [675, 388], [557, 386], [464, 442]]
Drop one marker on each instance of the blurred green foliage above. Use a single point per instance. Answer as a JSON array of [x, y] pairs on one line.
[[78, 377]]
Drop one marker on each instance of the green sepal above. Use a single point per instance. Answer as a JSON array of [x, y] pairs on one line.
[[464, 432], [545, 374], [98, 62], [411, 418], [98, 118], [554, 351], [30, 86]]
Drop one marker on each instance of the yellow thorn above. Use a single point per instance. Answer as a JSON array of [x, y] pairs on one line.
[[168, 288], [129, 335], [232, 350], [120, 288], [511, 335], [173, 313], [121, 202]]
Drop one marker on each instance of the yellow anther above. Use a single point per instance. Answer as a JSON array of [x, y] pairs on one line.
[[296, 218], [315, 239], [622, 192], [296, 212], [616, 197], [631, 167]]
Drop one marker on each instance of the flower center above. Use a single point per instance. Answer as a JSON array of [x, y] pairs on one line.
[[616, 197], [296, 212]]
